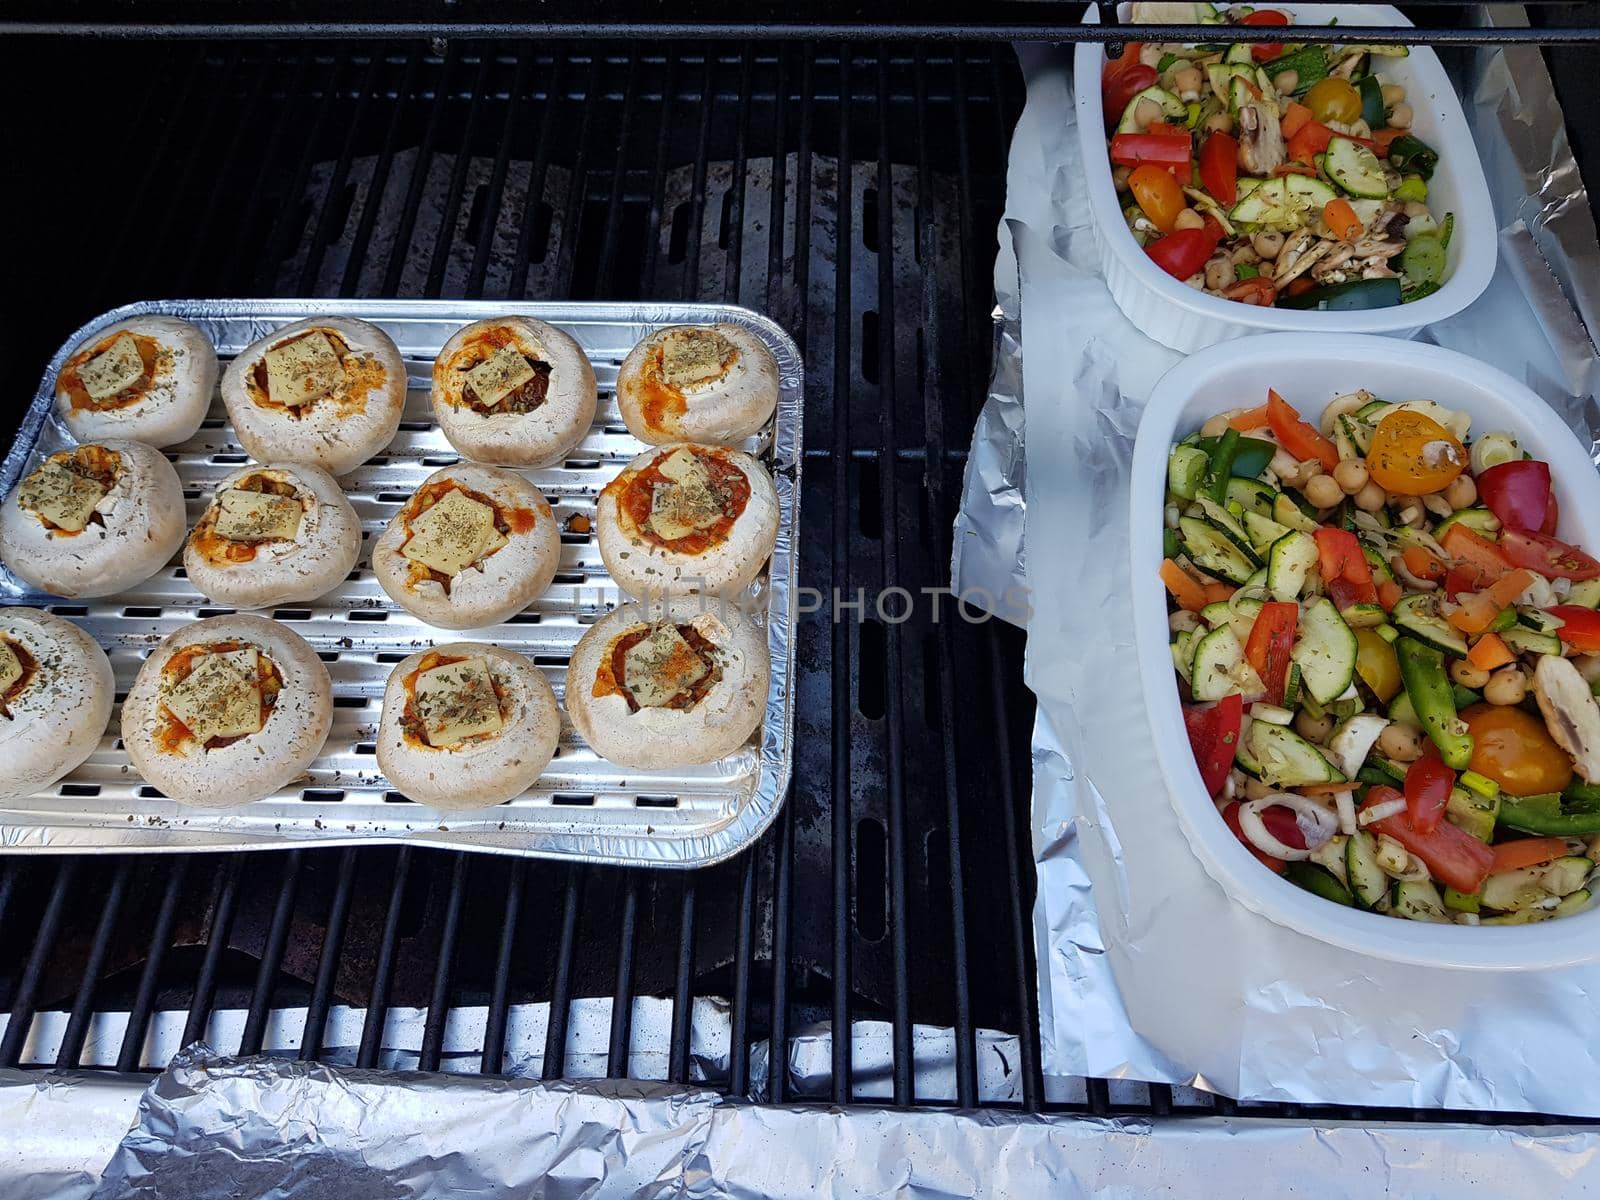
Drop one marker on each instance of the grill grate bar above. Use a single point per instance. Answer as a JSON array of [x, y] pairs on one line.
[[22, 1003], [494, 1036], [458, 177], [697, 209], [328, 963], [538, 177], [736, 194], [405, 229], [380, 178], [739, 1046], [260, 1009], [77, 1030], [777, 1059], [439, 1000], [516, 112], [131, 1055], [622, 998], [205, 987], [555, 1039], [577, 197], [658, 174], [383, 972], [683, 988], [323, 231], [619, 168], [285, 235]]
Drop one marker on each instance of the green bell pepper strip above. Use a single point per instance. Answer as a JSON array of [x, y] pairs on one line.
[[1371, 93], [1221, 469], [1412, 156], [1422, 670], [1551, 815], [1251, 458]]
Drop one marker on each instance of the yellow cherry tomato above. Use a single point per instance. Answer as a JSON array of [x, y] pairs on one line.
[[1514, 749], [1413, 455], [1158, 195], [1377, 665], [1334, 99]]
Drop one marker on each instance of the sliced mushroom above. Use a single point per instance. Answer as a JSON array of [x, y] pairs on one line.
[[1377, 268], [1331, 262], [1298, 256], [1372, 247], [1570, 712], [1261, 145]]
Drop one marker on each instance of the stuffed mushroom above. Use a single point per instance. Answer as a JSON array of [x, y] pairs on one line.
[[56, 690], [147, 379], [698, 383]]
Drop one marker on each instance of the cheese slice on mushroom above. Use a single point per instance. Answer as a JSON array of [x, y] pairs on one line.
[[451, 535], [502, 373], [115, 369], [458, 701], [693, 356], [62, 497], [217, 698], [10, 667], [662, 666], [686, 505], [303, 370], [257, 516]]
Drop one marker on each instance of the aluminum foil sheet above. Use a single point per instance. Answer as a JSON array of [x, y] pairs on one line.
[[583, 808], [280, 1130], [60, 1130], [1148, 970]]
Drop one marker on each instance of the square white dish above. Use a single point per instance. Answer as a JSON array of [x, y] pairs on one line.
[[1308, 371], [1178, 316]]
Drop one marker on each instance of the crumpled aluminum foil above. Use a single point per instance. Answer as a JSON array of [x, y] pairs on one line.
[[1148, 970], [276, 1129], [61, 1128]]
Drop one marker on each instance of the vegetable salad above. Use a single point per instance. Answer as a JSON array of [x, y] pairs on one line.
[[1389, 658], [1273, 174]]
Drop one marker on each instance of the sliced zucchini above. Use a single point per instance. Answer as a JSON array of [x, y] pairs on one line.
[[1252, 495], [1586, 593], [1228, 525], [1326, 650], [1538, 620], [1471, 813], [1352, 436], [1183, 653], [1240, 52], [1576, 902], [1242, 613], [1366, 879], [1355, 168], [1307, 195], [1309, 63], [1468, 902], [1212, 551], [1479, 520], [1220, 669], [1512, 891], [1418, 900], [1353, 741], [1263, 531], [1179, 13], [1567, 875], [1526, 641], [1418, 615], [1289, 561], [1286, 759], [1319, 882], [1172, 109], [1186, 467], [1220, 76], [1287, 513], [1294, 686]]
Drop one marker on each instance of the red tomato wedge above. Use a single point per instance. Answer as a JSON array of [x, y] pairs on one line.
[[1428, 784], [1453, 856], [1580, 627], [1518, 493], [1219, 167], [1551, 558], [1214, 737], [1345, 570], [1266, 52], [1183, 253], [1170, 150], [1270, 645], [1299, 438]]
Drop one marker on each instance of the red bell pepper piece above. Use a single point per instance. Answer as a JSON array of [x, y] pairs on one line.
[[1428, 784], [1266, 51], [1345, 570], [1312, 139], [1299, 438], [1526, 852], [1170, 150], [1580, 627], [1270, 644], [1219, 167], [1182, 253], [1471, 549], [1551, 558], [1230, 817], [1214, 738], [1453, 856], [1518, 493]]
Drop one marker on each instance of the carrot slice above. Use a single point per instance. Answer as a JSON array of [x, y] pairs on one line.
[[1489, 652], [1218, 592], [1249, 420], [1526, 852], [1342, 219], [1423, 563], [1295, 118], [1191, 596]]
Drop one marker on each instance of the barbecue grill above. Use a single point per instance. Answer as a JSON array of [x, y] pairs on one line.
[[849, 188]]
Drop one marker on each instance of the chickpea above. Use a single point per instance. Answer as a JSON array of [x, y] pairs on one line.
[[1402, 743], [1343, 406], [1461, 492], [1219, 122], [1371, 497], [1467, 675], [1313, 729], [1246, 254], [1400, 116], [1508, 685], [1267, 243], [1183, 622], [1219, 274], [1393, 93], [1197, 281], [1285, 82], [1119, 177], [1323, 491], [1189, 219], [1186, 80], [1147, 112], [1589, 667], [1351, 476]]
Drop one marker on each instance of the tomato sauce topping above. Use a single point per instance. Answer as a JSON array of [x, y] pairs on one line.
[[171, 733], [151, 354], [362, 374], [612, 677], [635, 495]]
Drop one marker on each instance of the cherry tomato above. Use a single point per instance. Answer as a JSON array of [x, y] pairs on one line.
[[1428, 784], [1414, 455], [1182, 252], [1214, 738], [1514, 749], [1158, 195], [1265, 52], [1299, 438], [1119, 87], [1518, 493], [1258, 291], [1552, 517], [1378, 665], [1580, 627], [1230, 817], [1334, 99], [1219, 167], [1551, 558], [1453, 856]]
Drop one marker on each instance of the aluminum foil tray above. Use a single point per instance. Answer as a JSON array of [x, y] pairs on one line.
[[583, 807]]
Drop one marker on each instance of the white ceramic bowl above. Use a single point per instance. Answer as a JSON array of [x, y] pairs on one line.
[[1308, 371], [1178, 316]]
